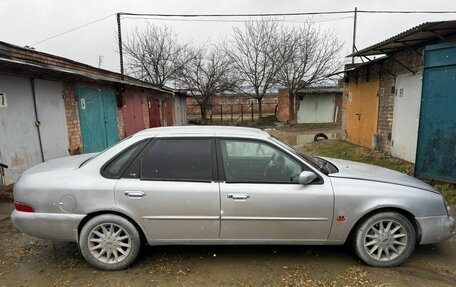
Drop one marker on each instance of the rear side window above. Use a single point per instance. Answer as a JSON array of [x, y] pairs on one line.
[[178, 159], [116, 166]]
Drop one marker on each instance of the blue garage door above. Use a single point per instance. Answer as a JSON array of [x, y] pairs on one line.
[[436, 151], [98, 118]]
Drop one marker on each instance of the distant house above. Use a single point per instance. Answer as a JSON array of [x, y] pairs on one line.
[[404, 100], [52, 107], [320, 104]]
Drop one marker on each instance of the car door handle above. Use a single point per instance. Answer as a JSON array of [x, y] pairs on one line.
[[135, 194], [238, 196]]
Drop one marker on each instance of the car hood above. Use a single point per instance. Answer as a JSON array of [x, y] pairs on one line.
[[70, 162], [362, 171]]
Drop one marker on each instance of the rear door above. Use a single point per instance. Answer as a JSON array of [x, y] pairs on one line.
[[261, 198], [170, 189]]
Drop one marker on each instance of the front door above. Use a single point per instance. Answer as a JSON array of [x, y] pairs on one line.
[[170, 189], [261, 198]]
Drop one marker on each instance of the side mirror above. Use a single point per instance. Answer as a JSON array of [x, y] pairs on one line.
[[307, 177]]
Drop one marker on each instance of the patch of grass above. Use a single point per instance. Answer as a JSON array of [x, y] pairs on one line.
[[344, 150]]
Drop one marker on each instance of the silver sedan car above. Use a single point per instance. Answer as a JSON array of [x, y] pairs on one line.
[[224, 185]]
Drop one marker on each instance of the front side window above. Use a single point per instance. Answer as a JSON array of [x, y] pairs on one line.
[[178, 159], [254, 161]]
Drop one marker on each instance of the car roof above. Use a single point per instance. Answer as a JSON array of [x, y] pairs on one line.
[[223, 131]]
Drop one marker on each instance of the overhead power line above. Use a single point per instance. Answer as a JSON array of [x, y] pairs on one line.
[[285, 14], [148, 15], [72, 29]]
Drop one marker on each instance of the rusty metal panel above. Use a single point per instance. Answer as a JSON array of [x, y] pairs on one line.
[[406, 114], [436, 151], [19, 142], [362, 112]]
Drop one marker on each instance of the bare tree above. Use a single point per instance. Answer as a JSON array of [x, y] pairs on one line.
[[307, 55], [207, 74], [252, 55], [155, 55]]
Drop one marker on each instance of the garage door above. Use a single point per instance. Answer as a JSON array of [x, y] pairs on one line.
[[436, 151], [98, 117], [317, 109]]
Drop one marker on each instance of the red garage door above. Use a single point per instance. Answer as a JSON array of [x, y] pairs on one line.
[[133, 113]]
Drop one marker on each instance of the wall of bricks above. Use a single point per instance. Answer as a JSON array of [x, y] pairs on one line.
[[283, 113], [269, 104], [72, 118]]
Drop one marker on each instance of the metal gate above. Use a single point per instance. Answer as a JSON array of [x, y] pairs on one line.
[[133, 113], [98, 117], [436, 151]]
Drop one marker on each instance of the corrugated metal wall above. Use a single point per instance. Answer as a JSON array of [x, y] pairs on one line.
[[406, 114], [436, 151]]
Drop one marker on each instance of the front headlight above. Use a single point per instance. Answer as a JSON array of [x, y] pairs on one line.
[[447, 205]]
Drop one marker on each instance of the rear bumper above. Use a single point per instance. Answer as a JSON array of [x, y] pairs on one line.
[[435, 229], [55, 226]]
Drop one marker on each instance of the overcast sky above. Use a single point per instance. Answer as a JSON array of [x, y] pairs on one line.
[[25, 22]]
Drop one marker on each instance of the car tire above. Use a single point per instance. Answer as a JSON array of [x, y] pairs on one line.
[[109, 242], [385, 239]]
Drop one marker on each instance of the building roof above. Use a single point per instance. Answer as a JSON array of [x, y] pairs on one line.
[[205, 131], [19, 60], [321, 90], [418, 36]]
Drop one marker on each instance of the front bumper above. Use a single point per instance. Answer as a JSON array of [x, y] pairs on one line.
[[435, 229], [55, 226]]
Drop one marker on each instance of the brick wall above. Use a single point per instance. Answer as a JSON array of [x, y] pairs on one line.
[[283, 112], [72, 118], [225, 102]]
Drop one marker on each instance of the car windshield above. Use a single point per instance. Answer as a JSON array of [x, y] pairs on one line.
[[106, 149], [314, 161]]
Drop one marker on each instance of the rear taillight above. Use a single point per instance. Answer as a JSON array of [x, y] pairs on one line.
[[23, 207]]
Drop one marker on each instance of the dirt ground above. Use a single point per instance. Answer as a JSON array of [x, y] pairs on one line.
[[28, 261]]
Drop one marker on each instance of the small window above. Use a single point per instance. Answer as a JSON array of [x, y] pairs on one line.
[[178, 159], [257, 162], [115, 168]]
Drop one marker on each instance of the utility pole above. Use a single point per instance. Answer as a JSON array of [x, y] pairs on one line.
[[354, 34], [119, 36]]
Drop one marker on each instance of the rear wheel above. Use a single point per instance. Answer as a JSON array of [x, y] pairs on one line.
[[109, 242], [385, 239]]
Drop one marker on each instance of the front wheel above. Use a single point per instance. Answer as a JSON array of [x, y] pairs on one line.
[[385, 239], [109, 242]]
